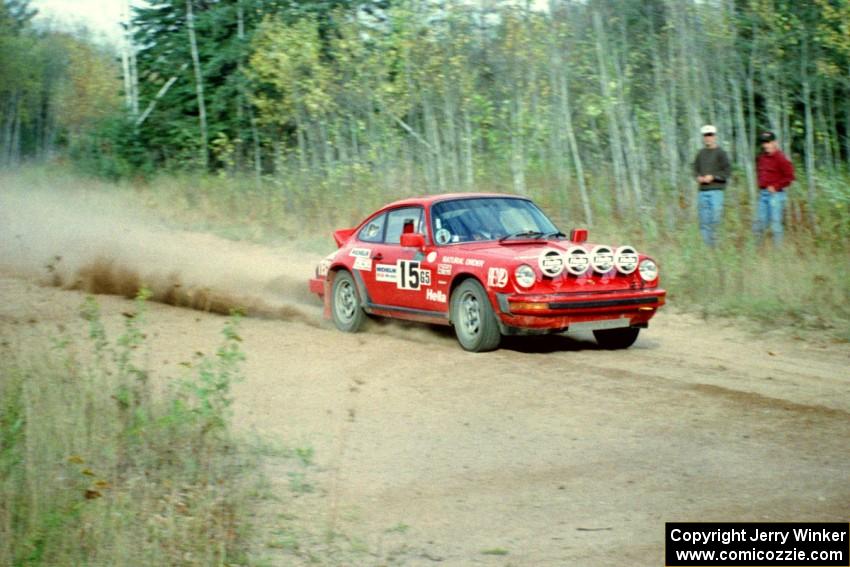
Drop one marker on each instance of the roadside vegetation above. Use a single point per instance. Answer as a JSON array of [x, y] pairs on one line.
[[101, 466], [803, 285]]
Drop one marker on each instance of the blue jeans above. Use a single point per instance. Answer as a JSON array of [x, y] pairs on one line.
[[710, 207], [770, 214]]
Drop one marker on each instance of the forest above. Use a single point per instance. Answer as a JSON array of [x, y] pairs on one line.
[[599, 103], [321, 110]]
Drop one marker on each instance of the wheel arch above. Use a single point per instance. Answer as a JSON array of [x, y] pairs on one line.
[[359, 284], [457, 281]]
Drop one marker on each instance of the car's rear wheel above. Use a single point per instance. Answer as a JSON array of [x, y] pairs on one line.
[[615, 339], [475, 324], [346, 309]]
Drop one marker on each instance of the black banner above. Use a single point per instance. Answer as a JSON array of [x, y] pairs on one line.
[[739, 544]]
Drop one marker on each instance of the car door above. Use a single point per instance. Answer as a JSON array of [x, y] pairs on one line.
[[401, 278]]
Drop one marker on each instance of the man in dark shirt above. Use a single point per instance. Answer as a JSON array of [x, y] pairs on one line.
[[775, 174], [712, 170]]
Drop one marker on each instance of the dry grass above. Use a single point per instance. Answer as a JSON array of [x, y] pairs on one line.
[[97, 469]]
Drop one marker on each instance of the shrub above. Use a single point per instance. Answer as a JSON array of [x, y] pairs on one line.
[[96, 467]]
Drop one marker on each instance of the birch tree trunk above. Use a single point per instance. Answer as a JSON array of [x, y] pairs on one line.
[[451, 137], [517, 157], [128, 63], [614, 140], [566, 111], [469, 163], [847, 117], [744, 149], [809, 150], [433, 136], [632, 155], [199, 84], [7, 157]]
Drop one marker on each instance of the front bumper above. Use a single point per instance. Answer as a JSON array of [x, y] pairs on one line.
[[559, 311]]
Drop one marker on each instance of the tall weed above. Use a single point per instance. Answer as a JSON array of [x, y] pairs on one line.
[[98, 467]]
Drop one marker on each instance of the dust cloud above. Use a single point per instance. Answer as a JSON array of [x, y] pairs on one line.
[[73, 240]]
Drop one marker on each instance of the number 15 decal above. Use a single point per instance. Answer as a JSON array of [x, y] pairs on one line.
[[408, 275]]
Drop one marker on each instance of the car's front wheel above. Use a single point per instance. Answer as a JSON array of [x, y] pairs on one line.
[[615, 339], [346, 310], [475, 324]]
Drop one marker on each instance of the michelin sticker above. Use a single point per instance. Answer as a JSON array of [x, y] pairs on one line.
[[360, 252], [364, 264], [386, 273], [497, 277]]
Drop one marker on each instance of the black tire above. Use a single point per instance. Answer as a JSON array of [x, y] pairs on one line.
[[346, 307], [616, 339], [476, 327]]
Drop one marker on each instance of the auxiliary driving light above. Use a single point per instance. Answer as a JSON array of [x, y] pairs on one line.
[[578, 260], [626, 259], [602, 259], [551, 262]]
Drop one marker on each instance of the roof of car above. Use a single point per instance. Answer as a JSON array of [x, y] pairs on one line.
[[431, 199]]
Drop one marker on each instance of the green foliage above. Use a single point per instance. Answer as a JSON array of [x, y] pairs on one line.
[[208, 397], [96, 468], [112, 149]]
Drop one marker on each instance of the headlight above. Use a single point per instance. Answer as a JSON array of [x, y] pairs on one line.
[[648, 270], [525, 275], [578, 260], [602, 258], [626, 259]]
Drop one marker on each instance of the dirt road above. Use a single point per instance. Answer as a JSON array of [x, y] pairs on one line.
[[546, 452]]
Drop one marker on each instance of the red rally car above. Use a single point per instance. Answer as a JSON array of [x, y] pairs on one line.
[[489, 265]]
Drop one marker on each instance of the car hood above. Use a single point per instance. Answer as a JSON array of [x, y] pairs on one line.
[[517, 250]]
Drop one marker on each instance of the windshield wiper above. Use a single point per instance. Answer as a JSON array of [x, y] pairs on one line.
[[523, 234], [556, 234]]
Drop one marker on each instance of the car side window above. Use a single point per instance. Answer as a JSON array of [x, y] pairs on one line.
[[373, 231], [396, 220]]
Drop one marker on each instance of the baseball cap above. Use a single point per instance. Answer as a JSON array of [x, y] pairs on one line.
[[708, 129], [766, 136]]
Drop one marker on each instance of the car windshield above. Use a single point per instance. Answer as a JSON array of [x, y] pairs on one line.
[[489, 218]]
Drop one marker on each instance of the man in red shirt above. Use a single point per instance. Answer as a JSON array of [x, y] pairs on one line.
[[775, 174]]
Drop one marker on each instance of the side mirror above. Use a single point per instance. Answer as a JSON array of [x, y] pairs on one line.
[[578, 235], [413, 240]]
